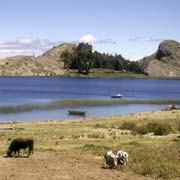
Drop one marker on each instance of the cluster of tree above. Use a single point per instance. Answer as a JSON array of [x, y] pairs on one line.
[[83, 58]]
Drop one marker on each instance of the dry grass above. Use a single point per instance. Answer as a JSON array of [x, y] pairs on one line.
[[149, 155]]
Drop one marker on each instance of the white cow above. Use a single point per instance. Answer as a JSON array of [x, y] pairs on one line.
[[116, 160], [122, 158], [111, 159]]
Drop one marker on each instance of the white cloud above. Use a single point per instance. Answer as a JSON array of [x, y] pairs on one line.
[[89, 38], [25, 41], [145, 39], [30, 46], [25, 46]]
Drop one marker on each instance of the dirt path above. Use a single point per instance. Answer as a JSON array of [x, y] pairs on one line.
[[59, 166]]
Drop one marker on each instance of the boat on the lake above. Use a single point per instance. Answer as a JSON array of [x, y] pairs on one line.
[[78, 113], [116, 96]]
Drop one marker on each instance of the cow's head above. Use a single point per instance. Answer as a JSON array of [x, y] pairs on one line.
[[125, 158], [8, 153]]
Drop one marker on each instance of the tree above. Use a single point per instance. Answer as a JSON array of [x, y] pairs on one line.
[[97, 60], [84, 57], [67, 59]]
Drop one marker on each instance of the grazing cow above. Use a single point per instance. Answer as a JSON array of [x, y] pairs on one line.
[[110, 158], [116, 160], [20, 143], [122, 158]]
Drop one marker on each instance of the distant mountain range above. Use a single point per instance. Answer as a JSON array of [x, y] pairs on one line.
[[165, 63]]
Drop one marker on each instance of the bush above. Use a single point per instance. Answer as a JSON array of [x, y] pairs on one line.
[[178, 126], [157, 128], [162, 129], [152, 126], [142, 130], [96, 135], [129, 126], [98, 125]]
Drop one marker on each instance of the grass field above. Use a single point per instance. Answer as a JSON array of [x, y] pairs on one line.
[[109, 73], [104, 73], [150, 155]]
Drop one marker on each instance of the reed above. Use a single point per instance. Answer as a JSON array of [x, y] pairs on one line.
[[79, 103]]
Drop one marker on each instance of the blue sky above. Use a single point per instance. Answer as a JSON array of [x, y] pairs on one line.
[[133, 28]]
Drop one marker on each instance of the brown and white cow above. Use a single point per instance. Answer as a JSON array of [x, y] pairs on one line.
[[110, 159], [116, 160]]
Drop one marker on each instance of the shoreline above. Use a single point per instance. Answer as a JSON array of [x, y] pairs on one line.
[[134, 76], [79, 120]]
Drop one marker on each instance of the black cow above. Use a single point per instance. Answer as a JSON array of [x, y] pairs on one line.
[[20, 143]]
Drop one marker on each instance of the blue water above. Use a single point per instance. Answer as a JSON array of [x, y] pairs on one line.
[[62, 114], [36, 90], [21, 90]]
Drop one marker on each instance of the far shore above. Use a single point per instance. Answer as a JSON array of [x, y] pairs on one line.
[[97, 73]]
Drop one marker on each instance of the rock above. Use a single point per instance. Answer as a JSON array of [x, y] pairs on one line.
[[165, 62]]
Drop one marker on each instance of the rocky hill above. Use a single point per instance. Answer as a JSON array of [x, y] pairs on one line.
[[55, 52], [48, 64], [165, 62]]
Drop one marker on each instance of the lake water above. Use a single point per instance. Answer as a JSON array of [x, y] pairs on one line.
[[38, 90]]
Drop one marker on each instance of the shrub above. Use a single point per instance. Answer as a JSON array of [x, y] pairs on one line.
[[76, 136], [129, 126], [142, 130], [61, 137], [151, 126], [156, 128], [162, 129], [95, 135], [178, 126], [98, 125]]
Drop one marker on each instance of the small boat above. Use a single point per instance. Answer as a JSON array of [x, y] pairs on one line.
[[78, 113], [116, 96]]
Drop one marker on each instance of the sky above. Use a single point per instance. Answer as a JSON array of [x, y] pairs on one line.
[[132, 28]]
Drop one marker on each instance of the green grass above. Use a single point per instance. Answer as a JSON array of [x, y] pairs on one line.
[[93, 148], [104, 73]]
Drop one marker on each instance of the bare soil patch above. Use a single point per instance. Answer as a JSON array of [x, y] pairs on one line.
[[63, 166]]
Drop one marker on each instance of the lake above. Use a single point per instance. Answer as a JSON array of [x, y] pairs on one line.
[[39, 90]]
